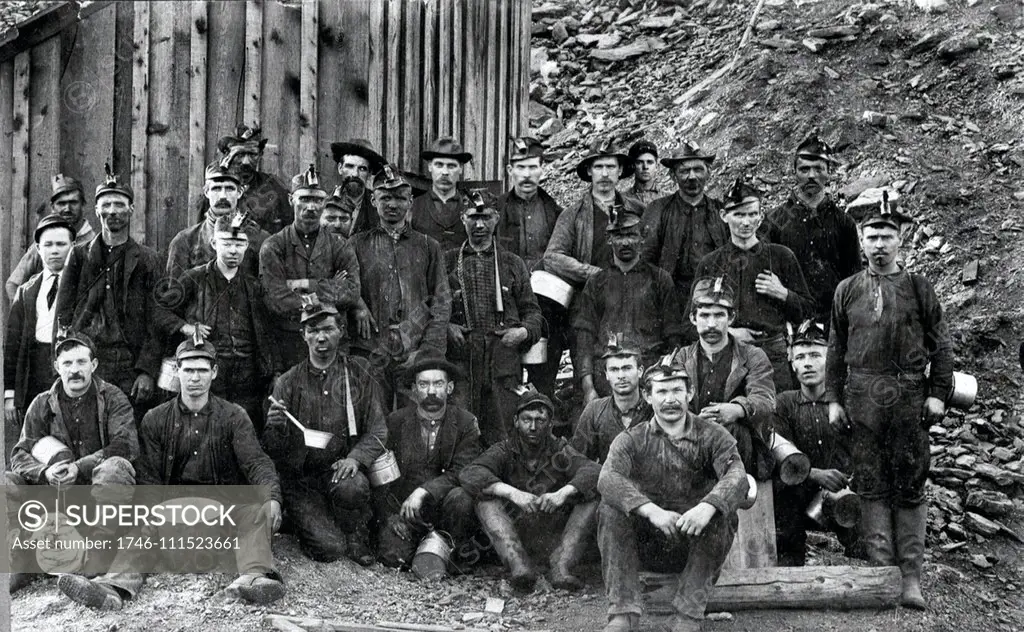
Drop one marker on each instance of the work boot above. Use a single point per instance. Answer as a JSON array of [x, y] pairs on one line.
[[499, 528], [17, 581], [911, 524], [578, 532], [623, 623], [359, 545], [89, 593], [876, 532], [258, 589], [682, 623]]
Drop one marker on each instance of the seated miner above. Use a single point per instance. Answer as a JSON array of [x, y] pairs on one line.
[[802, 417], [337, 217], [535, 488], [433, 440], [731, 380], [630, 296], [604, 418], [326, 492], [669, 489], [198, 439]]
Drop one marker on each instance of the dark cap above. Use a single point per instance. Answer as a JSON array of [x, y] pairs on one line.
[[618, 346], [481, 202], [313, 309], [668, 368], [340, 200], [878, 207], [111, 184], [53, 221], [308, 179], [196, 347], [529, 397], [604, 148], [808, 333], [389, 178], [620, 218], [741, 193], [61, 184], [688, 151], [814, 148], [525, 147], [641, 147], [243, 135], [66, 338], [708, 292], [357, 147], [430, 360], [235, 223], [218, 170], [446, 147]]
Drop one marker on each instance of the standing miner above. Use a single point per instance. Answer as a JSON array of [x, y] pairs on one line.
[[438, 212], [357, 162]]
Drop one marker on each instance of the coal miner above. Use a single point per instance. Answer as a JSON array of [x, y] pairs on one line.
[[887, 327], [67, 201], [669, 494], [433, 440], [193, 246], [264, 198], [730, 380], [801, 416], [357, 162], [644, 155], [338, 213], [198, 439], [605, 418], [686, 225], [438, 213], [533, 487], [769, 287], [820, 234], [302, 260], [631, 297], [326, 492], [406, 301], [495, 317]]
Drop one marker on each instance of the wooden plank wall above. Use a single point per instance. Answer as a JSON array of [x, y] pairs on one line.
[[153, 86]]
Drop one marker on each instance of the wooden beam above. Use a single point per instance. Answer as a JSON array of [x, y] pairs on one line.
[[123, 71], [44, 124], [197, 149], [377, 75], [500, 128], [473, 85], [253, 62], [392, 79], [140, 118], [7, 151], [459, 37], [225, 61], [445, 45], [308, 65], [412, 91], [489, 130], [429, 94], [525, 24], [282, 89], [20, 159]]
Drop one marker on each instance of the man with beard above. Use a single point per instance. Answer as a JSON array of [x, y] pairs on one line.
[[887, 327], [301, 260], [644, 155], [630, 296], [107, 292], [685, 226], [28, 369], [802, 417], [326, 492], [437, 213], [669, 494], [223, 303], [194, 246], [603, 419], [338, 211], [432, 440], [730, 380], [533, 487], [820, 234], [769, 286], [68, 202], [357, 163], [527, 215], [406, 302], [495, 317], [263, 199]]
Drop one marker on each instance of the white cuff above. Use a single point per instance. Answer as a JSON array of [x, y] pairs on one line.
[[9, 394]]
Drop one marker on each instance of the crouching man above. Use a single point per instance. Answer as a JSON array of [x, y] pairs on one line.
[[670, 489], [533, 484], [433, 441]]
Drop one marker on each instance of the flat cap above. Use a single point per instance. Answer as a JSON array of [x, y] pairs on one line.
[[111, 184], [308, 180], [530, 397], [61, 184], [53, 221], [195, 347], [714, 291], [525, 147], [668, 368], [389, 178]]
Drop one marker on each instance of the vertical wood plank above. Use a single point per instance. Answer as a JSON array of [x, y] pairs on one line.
[[377, 76], [253, 62], [197, 145], [308, 59], [458, 37], [332, 91], [490, 81], [501, 133], [392, 79], [44, 123], [20, 159], [282, 28], [522, 98], [444, 68], [140, 118], [225, 61], [429, 98], [412, 93], [350, 71], [472, 86], [124, 69], [7, 135]]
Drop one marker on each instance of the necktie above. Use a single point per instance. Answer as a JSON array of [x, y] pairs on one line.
[[51, 295]]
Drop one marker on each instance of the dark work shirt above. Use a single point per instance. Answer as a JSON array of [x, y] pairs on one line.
[[549, 468], [81, 415], [602, 256], [601, 421], [105, 328], [531, 224], [680, 234], [441, 220], [712, 376], [233, 334], [805, 422], [191, 428]]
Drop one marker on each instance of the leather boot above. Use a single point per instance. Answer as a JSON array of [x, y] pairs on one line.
[[911, 525], [577, 534], [90, 593], [499, 528], [876, 532], [623, 623], [359, 544]]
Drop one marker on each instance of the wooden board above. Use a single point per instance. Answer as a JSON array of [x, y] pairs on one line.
[[198, 151], [225, 58], [500, 123], [377, 66], [489, 85], [7, 164], [460, 35], [393, 111], [44, 124], [308, 60], [140, 115], [412, 90], [349, 70], [754, 544], [445, 62], [123, 72], [20, 158], [472, 86], [253, 79], [282, 28], [428, 73], [524, 25]]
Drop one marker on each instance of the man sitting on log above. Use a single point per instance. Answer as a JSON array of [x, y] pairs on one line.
[[670, 490], [534, 484]]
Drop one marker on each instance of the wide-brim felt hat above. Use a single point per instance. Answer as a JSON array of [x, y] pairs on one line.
[[687, 151], [357, 147], [446, 147], [606, 148]]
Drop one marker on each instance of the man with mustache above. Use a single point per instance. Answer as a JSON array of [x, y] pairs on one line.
[[820, 234], [731, 380], [669, 494], [437, 213], [357, 163], [527, 215], [802, 417], [685, 226], [630, 296], [495, 318], [769, 285], [67, 201], [302, 260], [193, 246], [326, 492], [644, 155], [887, 327], [263, 198], [603, 419], [433, 439], [108, 292], [534, 493], [338, 210], [406, 302], [28, 367]]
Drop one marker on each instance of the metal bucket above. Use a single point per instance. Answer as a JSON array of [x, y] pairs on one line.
[[842, 507], [168, 378], [50, 451], [551, 287], [793, 465], [751, 498], [384, 469], [432, 555], [537, 354], [964, 391]]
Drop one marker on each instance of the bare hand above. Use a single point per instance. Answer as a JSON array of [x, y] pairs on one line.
[[343, 469], [526, 501], [742, 334], [189, 329], [276, 416], [837, 417], [934, 410], [513, 336], [366, 326], [11, 416], [272, 509], [553, 501], [456, 336], [142, 389], [61, 474], [666, 522], [832, 480], [769, 284], [723, 413], [410, 510], [693, 521]]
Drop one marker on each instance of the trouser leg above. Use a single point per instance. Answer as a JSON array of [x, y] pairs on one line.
[[705, 557], [791, 522], [576, 535], [911, 527], [620, 560], [498, 526], [312, 517]]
